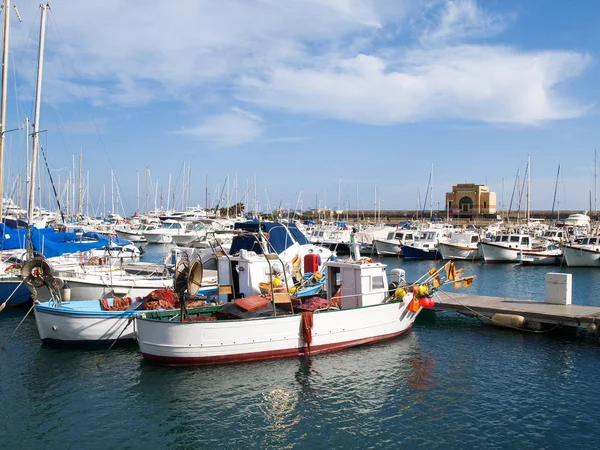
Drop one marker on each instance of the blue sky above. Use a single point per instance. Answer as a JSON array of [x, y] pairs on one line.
[[319, 99]]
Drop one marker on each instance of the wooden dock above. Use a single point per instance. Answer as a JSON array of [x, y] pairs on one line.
[[536, 314]]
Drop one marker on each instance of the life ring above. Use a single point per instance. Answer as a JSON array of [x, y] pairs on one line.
[[12, 267]]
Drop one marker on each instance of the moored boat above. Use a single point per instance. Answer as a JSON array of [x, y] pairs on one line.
[[460, 246], [584, 253], [357, 311]]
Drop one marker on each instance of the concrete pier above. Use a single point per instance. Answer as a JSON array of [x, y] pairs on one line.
[[535, 313]]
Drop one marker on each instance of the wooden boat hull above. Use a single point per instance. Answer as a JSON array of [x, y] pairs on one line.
[[231, 341]]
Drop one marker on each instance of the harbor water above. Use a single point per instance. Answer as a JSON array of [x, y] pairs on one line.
[[451, 382]]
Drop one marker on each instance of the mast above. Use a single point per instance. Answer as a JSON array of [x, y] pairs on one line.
[[147, 169], [555, 189], [595, 180], [36, 120], [137, 176], [3, 101], [79, 208], [528, 188], [431, 195], [112, 192]]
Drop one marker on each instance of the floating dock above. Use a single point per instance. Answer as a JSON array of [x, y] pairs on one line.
[[514, 313]]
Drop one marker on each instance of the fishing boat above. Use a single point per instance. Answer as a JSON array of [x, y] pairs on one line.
[[505, 247], [460, 246], [392, 245], [583, 253], [359, 308], [103, 320], [424, 248]]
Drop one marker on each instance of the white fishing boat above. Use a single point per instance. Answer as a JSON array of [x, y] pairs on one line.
[[392, 245], [104, 320], [583, 253], [505, 247], [460, 246], [366, 314]]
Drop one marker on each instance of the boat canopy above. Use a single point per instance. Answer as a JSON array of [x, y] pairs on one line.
[[12, 238], [279, 237], [50, 243]]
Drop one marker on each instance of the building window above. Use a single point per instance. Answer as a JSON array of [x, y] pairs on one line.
[[450, 204], [484, 205]]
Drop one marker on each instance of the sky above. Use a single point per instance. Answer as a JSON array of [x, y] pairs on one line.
[[346, 104]]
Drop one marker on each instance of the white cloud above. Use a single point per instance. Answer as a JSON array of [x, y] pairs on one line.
[[489, 84], [229, 129], [460, 19], [337, 59]]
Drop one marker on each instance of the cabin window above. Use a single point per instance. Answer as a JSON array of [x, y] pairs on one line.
[[525, 240], [391, 235], [409, 237], [474, 239], [514, 239], [593, 241], [497, 239], [377, 282], [504, 238]]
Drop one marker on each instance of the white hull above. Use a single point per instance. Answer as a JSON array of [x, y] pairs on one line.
[[451, 251], [228, 341], [578, 257], [84, 327], [389, 248], [131, 236], [496, 253]]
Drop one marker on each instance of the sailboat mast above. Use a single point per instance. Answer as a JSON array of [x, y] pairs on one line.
[[79, 206], [3, 102], [555, 188], [595, 180], [36, 116], [147, 169], [528, 188]]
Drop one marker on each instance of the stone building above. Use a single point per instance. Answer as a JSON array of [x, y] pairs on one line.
[[470, 200]]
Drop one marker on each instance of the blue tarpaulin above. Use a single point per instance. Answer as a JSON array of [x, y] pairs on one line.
[[50, 243], [278, 236]]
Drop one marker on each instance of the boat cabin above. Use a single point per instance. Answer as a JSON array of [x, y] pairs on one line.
[[357, 283], [589, 240], [514, 240], [402, 236]]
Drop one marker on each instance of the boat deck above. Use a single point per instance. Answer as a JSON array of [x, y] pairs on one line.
[[532, 311]]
